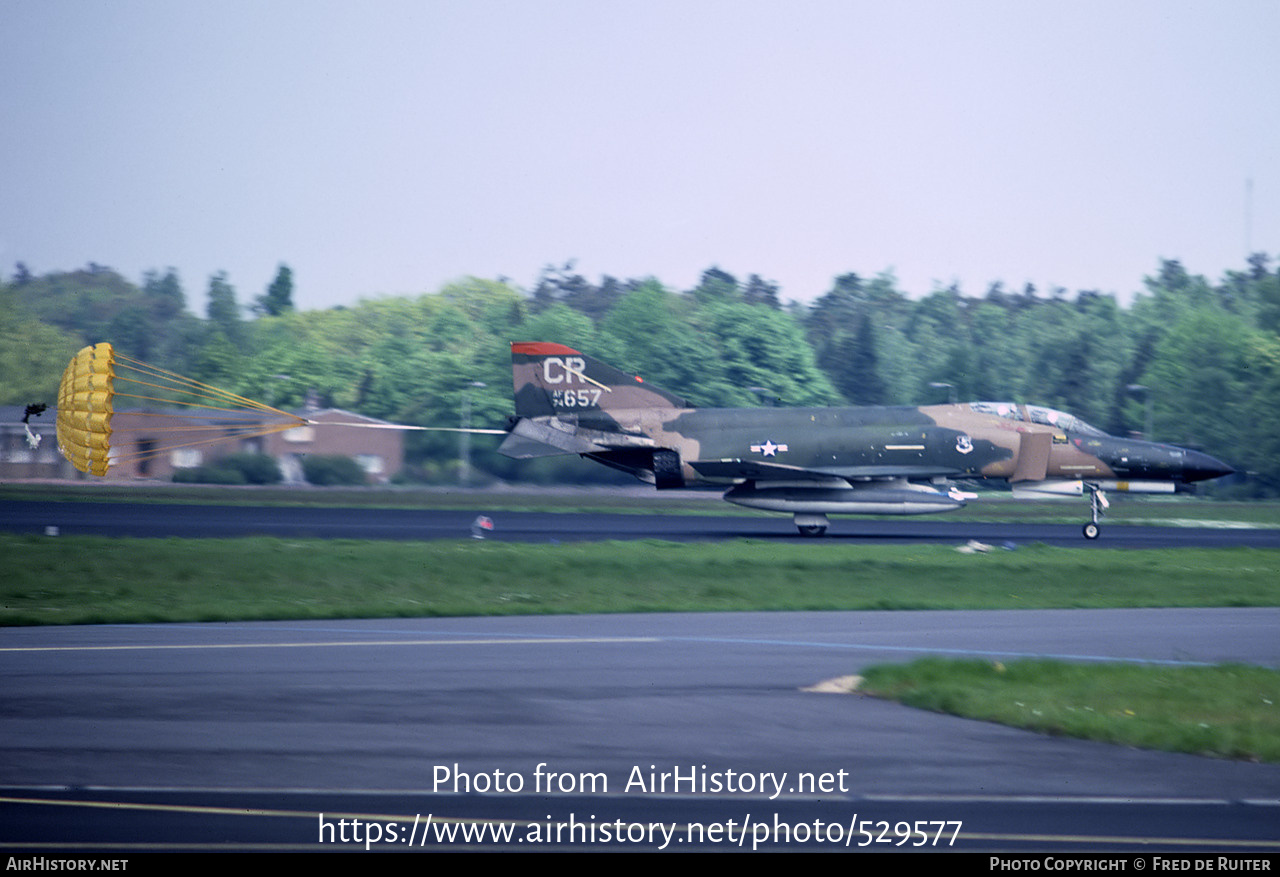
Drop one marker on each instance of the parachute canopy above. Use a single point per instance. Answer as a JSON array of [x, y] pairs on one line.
[[98, 379], [84, 409]]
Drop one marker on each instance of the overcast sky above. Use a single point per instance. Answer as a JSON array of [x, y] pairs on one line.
[[389, 146]]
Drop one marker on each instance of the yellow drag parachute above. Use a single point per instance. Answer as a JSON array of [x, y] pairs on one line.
[[84, 409], [98, 378]]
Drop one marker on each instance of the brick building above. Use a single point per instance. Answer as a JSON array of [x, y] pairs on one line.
[[152, 445], [18, 459], [380, 452]]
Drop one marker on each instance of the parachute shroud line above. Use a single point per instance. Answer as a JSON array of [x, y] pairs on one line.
[[98, 376]]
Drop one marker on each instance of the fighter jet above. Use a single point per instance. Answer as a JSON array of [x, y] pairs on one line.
[[815, 462]]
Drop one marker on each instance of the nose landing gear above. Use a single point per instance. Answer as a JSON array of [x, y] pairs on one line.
[[1098, 504]]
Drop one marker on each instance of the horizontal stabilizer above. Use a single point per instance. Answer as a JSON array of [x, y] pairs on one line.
[[518, 447], [545, 437], [532, 438]]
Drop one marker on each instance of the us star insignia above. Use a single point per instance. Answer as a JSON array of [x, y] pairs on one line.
[[768, 449]]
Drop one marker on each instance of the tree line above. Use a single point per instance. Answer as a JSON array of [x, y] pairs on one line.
[[1187, 361]]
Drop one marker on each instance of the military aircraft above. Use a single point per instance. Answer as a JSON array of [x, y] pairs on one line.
[[814, 462]]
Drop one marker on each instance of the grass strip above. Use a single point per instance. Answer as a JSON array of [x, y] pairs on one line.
[[85, 579], [1226, 711]]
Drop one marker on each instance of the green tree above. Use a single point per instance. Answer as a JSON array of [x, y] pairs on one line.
[[1175, 289], [222, 310], [491, 305], [564, 286], [1262, 291], [81, 303], [859, 377], [831, 319], [997, 364], [33, 354], [716, 286], [936, 328], [278, 299], [760, 349], [1259, 442], [1204, 381], [563, 325], [659, 342], [556, 283], [761, 292], [163, 295]]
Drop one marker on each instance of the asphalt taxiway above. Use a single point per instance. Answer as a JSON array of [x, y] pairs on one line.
[[144, 736], [207, 521]]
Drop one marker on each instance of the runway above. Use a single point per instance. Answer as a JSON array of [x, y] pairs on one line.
[[239, 736], [147, 520]]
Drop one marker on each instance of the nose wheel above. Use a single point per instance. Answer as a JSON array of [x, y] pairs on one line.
[[1098, 504]]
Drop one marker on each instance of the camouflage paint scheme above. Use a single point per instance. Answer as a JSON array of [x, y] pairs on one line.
[[817, 461]]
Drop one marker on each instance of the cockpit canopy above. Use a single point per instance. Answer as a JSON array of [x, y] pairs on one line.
[[1036, 414]]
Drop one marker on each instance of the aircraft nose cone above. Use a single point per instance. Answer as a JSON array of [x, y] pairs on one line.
[[1202, 467]]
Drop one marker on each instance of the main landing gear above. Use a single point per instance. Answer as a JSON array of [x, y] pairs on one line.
[[811, 525], [1098, 504]]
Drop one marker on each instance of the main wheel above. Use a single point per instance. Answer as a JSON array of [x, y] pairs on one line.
[[811, 530], [1091, 530]]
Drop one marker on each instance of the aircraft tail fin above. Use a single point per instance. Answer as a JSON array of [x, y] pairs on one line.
[[552, 379]]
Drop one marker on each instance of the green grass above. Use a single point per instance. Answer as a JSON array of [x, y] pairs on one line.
[[1227, 711], [83, 579]]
